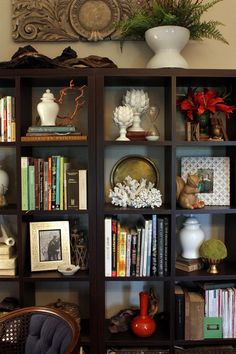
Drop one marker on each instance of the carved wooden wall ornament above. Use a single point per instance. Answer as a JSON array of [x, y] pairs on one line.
[[68, 20]]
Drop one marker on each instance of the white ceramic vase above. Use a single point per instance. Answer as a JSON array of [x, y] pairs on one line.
[[48, 109], [191, 238], [167, 43]]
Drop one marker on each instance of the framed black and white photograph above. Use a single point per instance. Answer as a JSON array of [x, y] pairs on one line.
[[49, 245], [214, 178]]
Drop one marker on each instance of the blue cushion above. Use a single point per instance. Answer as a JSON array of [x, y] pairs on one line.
[[47, 335]]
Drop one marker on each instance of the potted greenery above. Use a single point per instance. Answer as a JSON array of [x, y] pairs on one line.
[[185, 17]]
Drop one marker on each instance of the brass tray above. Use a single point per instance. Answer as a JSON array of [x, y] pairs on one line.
[[136, 167]]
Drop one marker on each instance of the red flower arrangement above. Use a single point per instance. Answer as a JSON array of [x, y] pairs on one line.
[[201, 101]]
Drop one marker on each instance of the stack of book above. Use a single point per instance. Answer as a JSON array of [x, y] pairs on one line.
[[189, 265], [52, 133], [7, 260]]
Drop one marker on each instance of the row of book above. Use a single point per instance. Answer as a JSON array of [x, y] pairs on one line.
[[52, 184], [8, 121], [214, 307], [138, 252]]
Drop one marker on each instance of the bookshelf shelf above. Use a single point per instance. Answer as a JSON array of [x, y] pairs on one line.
[[102, 296]]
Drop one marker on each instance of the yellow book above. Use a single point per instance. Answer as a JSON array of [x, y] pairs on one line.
[[121, 253]]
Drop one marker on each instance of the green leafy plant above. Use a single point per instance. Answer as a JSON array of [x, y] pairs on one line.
[[184, 13]]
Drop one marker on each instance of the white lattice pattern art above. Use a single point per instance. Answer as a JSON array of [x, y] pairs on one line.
[[219, 169]]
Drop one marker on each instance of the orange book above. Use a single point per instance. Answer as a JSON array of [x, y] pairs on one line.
[[121, 253]]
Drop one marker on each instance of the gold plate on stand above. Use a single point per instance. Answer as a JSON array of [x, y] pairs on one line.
[[136, 167]]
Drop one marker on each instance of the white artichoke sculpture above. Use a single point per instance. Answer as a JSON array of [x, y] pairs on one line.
[[138, 100], [123, 117]]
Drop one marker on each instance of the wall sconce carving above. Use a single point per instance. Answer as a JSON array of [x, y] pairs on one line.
[[68, 20]]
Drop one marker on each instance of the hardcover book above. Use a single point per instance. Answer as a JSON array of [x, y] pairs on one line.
[[51, 128], [179, 312], [72, 180]]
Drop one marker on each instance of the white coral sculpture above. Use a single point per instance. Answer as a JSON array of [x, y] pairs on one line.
[[137, 194]]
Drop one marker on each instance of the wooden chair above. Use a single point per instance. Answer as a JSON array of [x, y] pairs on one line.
[[38, 330]]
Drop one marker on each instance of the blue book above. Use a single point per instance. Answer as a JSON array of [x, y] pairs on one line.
[[51, 129]]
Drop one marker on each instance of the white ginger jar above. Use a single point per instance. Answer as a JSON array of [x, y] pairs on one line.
[[48, 109], [191, 238]]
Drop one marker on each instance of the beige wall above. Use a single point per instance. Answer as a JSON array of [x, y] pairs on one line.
[[204, 54]]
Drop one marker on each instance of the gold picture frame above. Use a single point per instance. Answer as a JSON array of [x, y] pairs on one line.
[[49, 245]]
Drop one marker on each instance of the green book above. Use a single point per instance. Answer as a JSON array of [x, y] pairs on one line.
[[51, 129], [213, 327], [24, 183]]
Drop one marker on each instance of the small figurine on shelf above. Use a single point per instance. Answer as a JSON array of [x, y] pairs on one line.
[[138, 100], [186, 193], [123, 117]]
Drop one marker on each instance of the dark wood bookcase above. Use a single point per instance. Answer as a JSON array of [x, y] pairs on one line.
[[105, 88]]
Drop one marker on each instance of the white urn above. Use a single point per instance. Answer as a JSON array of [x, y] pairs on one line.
[[138, 100], [167, 43], [48, 109], [191, 238], [123, 117]]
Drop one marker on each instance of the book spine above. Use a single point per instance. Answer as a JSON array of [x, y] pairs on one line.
[[51, 128], [179, 316], [139, 241], [50, 183], [41, 184], [149, 248], [133, 254], [62, 160], [114, 247], [166, 236], [146, 231], [45, 187], [82, 189], [24, 183], [9, 117], [36, 167], [186, 315], [108, 246], [72, 179], [160, 246], [154, 246], [128, 254], [121, 255], [31, 186], [54, 177], [13, 120], [57, 192], [67, 166]]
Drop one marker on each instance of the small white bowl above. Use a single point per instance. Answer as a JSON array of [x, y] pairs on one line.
[[69, 269], [152, 137]]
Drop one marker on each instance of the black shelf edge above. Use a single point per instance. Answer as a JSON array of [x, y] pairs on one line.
[[132, 279], [111, 209], [9, 209], [53, 143], [138, 142], [53, 212], [55, 276], [205, 143], [9, 278], [208, 210]]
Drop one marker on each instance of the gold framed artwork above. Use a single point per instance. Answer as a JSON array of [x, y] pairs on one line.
[[49, 245], [214, 175]]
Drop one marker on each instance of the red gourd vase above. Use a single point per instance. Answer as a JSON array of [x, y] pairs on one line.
[[143, 325]]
